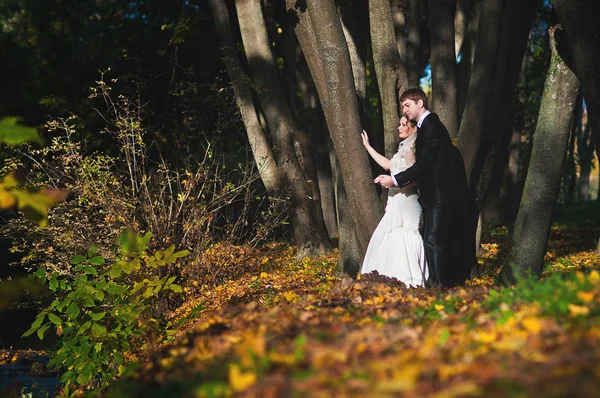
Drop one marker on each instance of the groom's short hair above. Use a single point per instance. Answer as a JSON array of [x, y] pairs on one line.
[[414, 94]]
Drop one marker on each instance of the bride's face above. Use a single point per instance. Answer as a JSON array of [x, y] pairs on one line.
[[405, 129]]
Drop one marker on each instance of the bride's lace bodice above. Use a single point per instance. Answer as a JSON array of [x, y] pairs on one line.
[[405, 157]]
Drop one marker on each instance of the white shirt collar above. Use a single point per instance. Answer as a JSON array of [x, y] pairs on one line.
[[423, 116]]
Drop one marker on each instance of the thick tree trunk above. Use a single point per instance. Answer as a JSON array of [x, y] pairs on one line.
[[532, 228], [342, 117], [309, 228], [443, 63], [413, 42], [390, 73], [356, 32], [263, 156]]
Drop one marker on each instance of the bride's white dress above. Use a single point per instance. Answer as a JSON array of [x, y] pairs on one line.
[[396, 247]]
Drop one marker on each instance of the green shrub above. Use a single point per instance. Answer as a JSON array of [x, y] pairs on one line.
[[105, 315]]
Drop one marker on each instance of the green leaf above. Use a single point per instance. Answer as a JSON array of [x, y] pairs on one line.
[[93, 250], [84, 327], [98, 330], [54, 319], [12, 133], [77, 260], [148, 292], [127, 267], [115, 270], [84, 377], [72, 310], [98, 346], [99, 295], [53, 284], [97, 260], [176, 288], [116, 289], [97, 316], [66, 376], [35, 325], [90, 270], [40, 273], [42, 330]]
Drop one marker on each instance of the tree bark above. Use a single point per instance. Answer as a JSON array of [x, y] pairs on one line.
[[481, 88], [443, 63], [516, 24], [398, 10], [390, 73], [263, 156], [307, 220], [413, 42], [342, 118], [467, 51], [579, 20], [532, 228]]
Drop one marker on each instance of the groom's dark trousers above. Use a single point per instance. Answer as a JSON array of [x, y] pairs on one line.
[[442, 191]]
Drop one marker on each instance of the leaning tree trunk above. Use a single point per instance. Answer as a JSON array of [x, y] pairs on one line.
[[351, 249], [443, 62], [585, 149], [307, 219], [342, 118], [389, 71], [532, 228], [263, 156]]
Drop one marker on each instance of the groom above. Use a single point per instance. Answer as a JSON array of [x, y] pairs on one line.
[[439, 171]]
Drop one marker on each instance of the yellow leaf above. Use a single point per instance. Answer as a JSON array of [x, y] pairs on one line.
[[575, 310], [6, 199], [263, 274], [403, 379], [290, 296], [484, 337], [239, 380], [532, 324], [439, 307], [594, 276], [586, 297]]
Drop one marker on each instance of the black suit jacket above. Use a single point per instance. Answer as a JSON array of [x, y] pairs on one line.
[[434, 168]]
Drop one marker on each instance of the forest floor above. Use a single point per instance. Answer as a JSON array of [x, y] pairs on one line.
[[279, 327], [297, 329]]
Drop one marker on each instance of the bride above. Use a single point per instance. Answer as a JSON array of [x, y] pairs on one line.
[[396, 247]]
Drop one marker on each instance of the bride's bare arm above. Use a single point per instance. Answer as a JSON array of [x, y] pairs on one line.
[[380, 159]]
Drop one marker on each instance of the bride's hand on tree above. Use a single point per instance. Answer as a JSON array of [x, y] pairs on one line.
[[365, 139]]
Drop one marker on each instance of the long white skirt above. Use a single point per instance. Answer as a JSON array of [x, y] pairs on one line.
[[396, 247]]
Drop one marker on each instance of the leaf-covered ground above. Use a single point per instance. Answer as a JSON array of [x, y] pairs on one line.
[[296, 329]]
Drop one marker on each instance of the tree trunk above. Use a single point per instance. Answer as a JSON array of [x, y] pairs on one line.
[[532, 228], [579, 20], [516, 24], [390, 73], [307, 220], [398, 10], [570, 170], [413, 42], [443, 62], [342, 118], [263, 156], [467, 51], [481, 88], [313, 114], [585, 149]]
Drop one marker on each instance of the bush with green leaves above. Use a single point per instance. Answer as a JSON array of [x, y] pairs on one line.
[[105, 315]]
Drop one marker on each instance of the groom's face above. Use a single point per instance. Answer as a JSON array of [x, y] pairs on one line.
[[412, 109]]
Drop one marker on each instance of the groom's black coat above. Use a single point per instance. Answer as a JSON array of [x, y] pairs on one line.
[[440, 173]]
